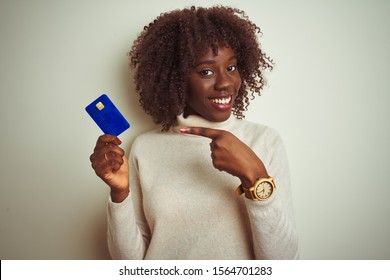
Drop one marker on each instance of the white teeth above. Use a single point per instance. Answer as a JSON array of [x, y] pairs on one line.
[[222, 100]]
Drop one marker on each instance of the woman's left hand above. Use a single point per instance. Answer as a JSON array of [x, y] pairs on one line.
[[230, 154]]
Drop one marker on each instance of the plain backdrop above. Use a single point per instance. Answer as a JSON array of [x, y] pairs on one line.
[[328, 97]]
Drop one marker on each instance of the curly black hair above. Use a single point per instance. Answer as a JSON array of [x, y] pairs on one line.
[[166, 50]]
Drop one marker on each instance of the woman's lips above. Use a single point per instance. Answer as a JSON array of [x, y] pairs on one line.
[[222, 103]]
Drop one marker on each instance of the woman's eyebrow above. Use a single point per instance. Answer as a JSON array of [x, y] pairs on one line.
[[204, 62], [213, 61]]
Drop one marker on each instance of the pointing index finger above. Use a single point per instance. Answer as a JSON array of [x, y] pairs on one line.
[[201, 131]]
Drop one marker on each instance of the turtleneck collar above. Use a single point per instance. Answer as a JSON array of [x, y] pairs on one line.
[[198, 121]]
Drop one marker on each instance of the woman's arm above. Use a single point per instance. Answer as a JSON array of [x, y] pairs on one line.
[[272, 221], [125, 237]]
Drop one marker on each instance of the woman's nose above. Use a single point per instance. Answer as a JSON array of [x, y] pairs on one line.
[[223, 82]]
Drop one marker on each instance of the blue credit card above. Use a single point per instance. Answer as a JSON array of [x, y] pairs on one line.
[[107, 116]]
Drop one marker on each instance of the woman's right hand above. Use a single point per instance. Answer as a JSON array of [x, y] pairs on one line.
[[110, 164]]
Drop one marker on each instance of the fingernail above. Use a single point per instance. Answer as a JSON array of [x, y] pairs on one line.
[[119, 141], [184, 130]]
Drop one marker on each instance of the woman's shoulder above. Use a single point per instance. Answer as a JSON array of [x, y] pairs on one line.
[[150, 139], [263, 139], [147, 136], [250, 129]]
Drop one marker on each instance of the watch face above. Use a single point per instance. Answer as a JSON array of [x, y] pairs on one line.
[[264, 190]]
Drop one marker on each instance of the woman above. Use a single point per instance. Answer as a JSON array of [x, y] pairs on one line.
[[195, 71]]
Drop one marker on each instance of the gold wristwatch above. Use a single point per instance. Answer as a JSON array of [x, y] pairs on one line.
[[261, 190]]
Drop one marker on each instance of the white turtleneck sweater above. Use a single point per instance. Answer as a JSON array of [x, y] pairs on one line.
[[181, 207]]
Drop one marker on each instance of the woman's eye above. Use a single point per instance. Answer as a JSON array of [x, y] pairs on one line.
[[232, 68], [206, 72]]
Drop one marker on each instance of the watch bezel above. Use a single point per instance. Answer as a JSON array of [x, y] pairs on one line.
[[253, 190], [257, 186]]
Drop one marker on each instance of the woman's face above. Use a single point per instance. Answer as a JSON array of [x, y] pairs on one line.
[[213, 85]]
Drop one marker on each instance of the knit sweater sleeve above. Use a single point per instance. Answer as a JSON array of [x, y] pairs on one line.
[[128, 233], [272, 222]]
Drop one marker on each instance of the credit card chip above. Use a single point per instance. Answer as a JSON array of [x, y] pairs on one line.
[[100, 106]]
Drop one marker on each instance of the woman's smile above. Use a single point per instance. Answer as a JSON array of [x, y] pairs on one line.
[[222, 103]]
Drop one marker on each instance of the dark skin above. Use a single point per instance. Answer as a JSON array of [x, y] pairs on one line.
[[213, 86], [111, 165]]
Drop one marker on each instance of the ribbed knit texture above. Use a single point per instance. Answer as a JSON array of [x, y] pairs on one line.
[[181, 207]]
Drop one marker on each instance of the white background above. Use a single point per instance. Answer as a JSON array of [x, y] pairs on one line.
[[327, 96]]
